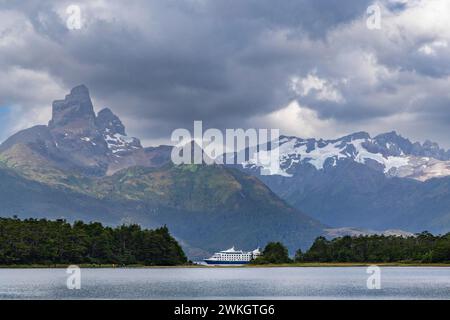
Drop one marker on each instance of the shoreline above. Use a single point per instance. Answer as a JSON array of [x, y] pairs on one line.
[[284, 265], [351, 264]]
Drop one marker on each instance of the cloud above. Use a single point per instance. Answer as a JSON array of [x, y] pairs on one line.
[[160, 65], [300, 121], [320, 89]]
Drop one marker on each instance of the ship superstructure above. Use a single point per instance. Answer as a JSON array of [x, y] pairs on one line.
[[233, 257]]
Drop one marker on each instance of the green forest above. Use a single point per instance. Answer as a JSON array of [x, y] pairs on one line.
[[32, 241], [421, 248], [46, 242]]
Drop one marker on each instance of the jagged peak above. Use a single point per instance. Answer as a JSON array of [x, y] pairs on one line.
[[390, 134], [75, 106], [105, 111], [353, 136], [80, 90], [79, 93], [429, 143], [356, 135], [395, 138], [107, 120]]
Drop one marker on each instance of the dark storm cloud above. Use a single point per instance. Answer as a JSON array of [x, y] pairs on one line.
[[162, 64]]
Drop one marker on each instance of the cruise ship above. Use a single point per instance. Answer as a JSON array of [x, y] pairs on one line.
[[232, 257]]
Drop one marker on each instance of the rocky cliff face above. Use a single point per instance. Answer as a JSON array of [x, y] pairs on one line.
[[75, 112], [79, 140]]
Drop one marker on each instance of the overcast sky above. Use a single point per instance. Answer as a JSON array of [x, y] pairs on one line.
[[311, 68]]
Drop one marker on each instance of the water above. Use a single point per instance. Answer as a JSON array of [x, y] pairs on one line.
[[227, 283]]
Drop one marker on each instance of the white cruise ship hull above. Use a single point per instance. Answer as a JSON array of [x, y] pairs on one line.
[[218, 262]]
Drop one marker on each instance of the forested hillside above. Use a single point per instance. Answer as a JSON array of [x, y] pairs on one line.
[[424, 247], [47, 242]]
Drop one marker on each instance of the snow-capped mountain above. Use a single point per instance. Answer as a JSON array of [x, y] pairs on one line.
[[76, 139], [389, 153], [378, 183], [113, 132]]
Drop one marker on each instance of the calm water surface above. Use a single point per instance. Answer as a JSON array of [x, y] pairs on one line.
[[227, 283]]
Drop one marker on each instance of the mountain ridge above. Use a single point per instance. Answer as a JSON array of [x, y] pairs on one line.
[[77, 139], [343, 185], [389, 153], [82, 165]]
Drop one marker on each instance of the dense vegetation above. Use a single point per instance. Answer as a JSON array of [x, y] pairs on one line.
[[422, 248], [274, 252], [47, 242]]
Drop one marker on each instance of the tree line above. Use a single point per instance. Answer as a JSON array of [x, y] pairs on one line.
[[421, 248], [33, 241]]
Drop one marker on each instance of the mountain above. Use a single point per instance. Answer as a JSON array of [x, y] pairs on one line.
[[355, 232], [207, 207], [388, 153], [78, 141], [385, 182], [82, 165], [28, 198], [212, 206]]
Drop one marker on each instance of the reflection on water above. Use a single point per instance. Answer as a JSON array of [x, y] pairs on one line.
[[227, 283]]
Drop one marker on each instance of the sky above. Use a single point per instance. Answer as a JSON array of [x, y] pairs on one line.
[[309, 68]]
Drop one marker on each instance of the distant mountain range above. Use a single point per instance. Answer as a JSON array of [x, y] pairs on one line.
[[388, 153], [84, 166], [377, 183]]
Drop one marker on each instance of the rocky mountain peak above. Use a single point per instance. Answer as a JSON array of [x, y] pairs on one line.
[[390, 144], [389, 135], [431, 145], [108, 122], [80, 90], [78, 140], [113, 131], [393, 138], [75, 111], [355, 136]]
